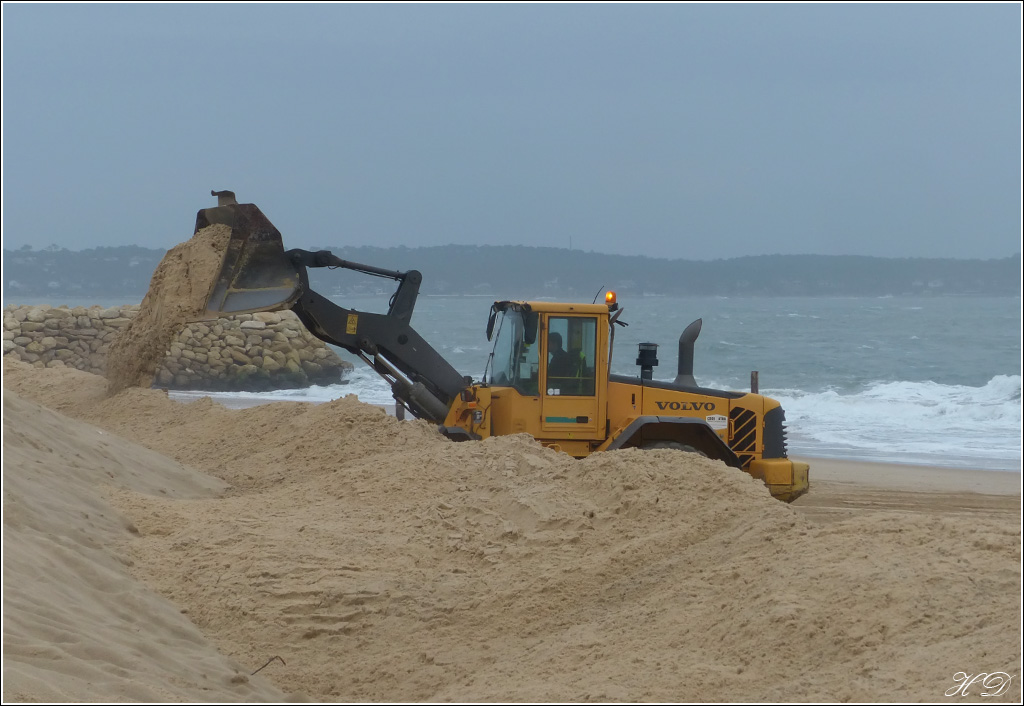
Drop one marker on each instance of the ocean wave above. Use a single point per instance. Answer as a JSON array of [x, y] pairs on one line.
[[926, 420], [999, 398]]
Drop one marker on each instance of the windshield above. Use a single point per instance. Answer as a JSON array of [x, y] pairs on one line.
[[516, 362]]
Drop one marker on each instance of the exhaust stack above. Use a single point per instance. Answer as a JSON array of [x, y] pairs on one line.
[[686, 339]]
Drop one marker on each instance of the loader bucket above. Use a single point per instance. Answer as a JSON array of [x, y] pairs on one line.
[[255, 274]]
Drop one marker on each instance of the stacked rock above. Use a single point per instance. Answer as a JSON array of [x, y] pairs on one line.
[[251, 352]]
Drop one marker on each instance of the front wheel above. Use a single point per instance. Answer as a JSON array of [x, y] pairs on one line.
[[678, 446]]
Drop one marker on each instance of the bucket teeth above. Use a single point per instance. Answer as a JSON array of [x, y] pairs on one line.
[[224, 198]]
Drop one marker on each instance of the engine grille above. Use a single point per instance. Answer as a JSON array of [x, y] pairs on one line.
[[775, 433]]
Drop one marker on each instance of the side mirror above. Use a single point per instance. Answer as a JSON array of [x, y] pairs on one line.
[[530, 327]]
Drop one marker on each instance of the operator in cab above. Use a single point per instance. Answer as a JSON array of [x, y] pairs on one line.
[[560, 362]]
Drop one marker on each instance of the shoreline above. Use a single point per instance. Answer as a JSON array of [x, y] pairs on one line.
[[843, 489], [912, 477]]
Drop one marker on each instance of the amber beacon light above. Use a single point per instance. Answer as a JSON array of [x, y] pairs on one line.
[[609, 297]]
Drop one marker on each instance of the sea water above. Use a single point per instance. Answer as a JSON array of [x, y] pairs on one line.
[[931, 380]]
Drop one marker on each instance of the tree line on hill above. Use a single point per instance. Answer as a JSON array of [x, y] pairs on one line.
[[534, 272]]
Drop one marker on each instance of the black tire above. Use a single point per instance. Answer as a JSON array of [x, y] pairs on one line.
[[678, 446]]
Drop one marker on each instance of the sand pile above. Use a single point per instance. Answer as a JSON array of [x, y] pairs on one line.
[[77, 626], [382, 562], [177, 294]]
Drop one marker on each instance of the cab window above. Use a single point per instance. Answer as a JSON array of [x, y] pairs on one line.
[[516, 359], [571, 355]]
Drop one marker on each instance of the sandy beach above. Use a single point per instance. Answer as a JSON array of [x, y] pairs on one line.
[[157, 550], [846, 488]]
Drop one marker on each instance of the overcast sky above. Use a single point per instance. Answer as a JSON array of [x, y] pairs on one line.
[[684, 131]]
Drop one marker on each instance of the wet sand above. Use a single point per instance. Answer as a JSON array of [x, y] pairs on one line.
[[842, 488]]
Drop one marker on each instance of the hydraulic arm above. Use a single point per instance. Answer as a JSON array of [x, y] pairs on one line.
[[258, 275], [419, 376]]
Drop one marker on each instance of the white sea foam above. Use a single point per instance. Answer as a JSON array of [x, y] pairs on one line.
[[361, 382], [922, 422]]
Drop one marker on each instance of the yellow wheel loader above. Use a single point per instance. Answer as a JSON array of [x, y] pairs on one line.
[[548, 374]]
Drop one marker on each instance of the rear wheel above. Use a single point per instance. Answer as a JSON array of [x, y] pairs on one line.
[[678, 446]]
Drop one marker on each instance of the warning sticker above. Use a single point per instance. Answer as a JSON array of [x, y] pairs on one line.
[[352, 323], [717, 421]]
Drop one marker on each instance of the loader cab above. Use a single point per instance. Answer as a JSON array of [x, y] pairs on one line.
[[548, 371]]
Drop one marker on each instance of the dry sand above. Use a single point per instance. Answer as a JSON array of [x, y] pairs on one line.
[[77, 625], [161, 550]]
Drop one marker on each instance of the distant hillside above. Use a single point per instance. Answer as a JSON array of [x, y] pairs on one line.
[[530, 272]]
